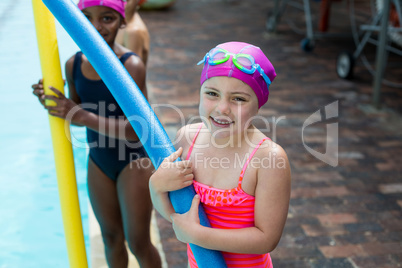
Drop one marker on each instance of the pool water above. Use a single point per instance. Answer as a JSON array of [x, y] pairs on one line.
[[31, 228]]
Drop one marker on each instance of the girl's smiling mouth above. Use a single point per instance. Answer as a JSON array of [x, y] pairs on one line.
[[220, 122]]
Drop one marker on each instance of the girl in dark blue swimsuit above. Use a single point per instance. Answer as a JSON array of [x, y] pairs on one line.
[[118, 167]]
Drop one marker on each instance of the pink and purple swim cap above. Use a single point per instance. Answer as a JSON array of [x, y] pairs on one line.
[[254, 80], [117, 5]]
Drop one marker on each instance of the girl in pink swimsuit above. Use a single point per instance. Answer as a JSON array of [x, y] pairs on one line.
[[241, 177]]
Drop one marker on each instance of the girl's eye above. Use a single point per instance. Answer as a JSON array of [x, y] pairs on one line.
[[212, 94], [107, 18], [239, 99]]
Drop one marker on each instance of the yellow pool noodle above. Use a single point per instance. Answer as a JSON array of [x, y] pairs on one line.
[[61, 137]]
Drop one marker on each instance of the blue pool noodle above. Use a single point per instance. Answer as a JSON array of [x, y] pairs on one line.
[[134, 105]]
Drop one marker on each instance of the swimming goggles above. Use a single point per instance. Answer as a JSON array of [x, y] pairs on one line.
[[244, 62]]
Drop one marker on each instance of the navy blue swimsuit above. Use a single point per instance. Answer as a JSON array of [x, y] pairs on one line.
[[109, 154]]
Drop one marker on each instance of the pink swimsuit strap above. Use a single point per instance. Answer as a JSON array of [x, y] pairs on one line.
[[249, 159], [245, 165], [193, 142]]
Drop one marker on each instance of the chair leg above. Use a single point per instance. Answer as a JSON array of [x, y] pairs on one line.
[[324, 15]]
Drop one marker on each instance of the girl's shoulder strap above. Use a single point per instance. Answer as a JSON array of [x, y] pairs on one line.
[[193, 142], [249, 159], [126, 56], [78, 57], [77, 64]]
